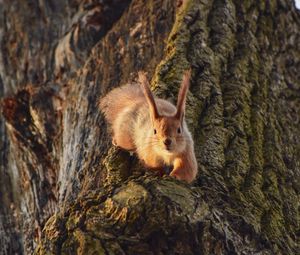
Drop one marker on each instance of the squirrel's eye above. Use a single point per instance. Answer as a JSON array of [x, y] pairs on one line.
[[154, 131], [178, 130]]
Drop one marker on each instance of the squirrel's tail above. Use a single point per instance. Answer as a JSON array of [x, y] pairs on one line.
[[118, 99]]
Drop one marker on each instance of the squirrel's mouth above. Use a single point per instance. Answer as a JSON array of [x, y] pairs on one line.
[[168, 147]]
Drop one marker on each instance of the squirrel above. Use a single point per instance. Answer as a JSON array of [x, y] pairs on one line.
[[152, 127]]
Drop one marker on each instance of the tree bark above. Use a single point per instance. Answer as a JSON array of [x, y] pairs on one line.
[[65, 189]]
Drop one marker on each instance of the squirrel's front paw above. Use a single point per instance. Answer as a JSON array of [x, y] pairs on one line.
[[176, 175], [114, 142], [183, 175]]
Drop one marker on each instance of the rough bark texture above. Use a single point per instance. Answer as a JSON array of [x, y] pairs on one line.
[[57, 58]]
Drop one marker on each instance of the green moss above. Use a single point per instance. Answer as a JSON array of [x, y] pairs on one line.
[[74, 220], [117, 164], [87, 244], [132, 195], [127, 204], [273, 224], [175, 62], [131, 214]]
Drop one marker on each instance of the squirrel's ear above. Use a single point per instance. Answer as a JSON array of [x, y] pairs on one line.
[[149, 97], [182, 94]]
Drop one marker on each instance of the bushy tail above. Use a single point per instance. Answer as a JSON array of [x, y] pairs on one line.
[[118, 99]]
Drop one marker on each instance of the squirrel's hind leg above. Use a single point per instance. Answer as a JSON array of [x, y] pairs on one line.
[[123, 141]]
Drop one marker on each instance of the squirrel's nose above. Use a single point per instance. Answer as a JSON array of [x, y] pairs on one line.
[[167, 142]]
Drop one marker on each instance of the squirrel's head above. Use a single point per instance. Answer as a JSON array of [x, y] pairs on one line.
[[168, 131], [168, 134]]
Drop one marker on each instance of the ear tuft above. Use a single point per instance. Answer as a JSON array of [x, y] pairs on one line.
[[148, 94], [143, 78], [185, 84]]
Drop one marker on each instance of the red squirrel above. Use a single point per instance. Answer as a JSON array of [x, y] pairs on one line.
[[152, 127]]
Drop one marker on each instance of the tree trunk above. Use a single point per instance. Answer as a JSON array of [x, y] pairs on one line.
[[65, 189]]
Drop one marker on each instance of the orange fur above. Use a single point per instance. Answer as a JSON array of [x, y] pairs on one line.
[[154, 128]]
